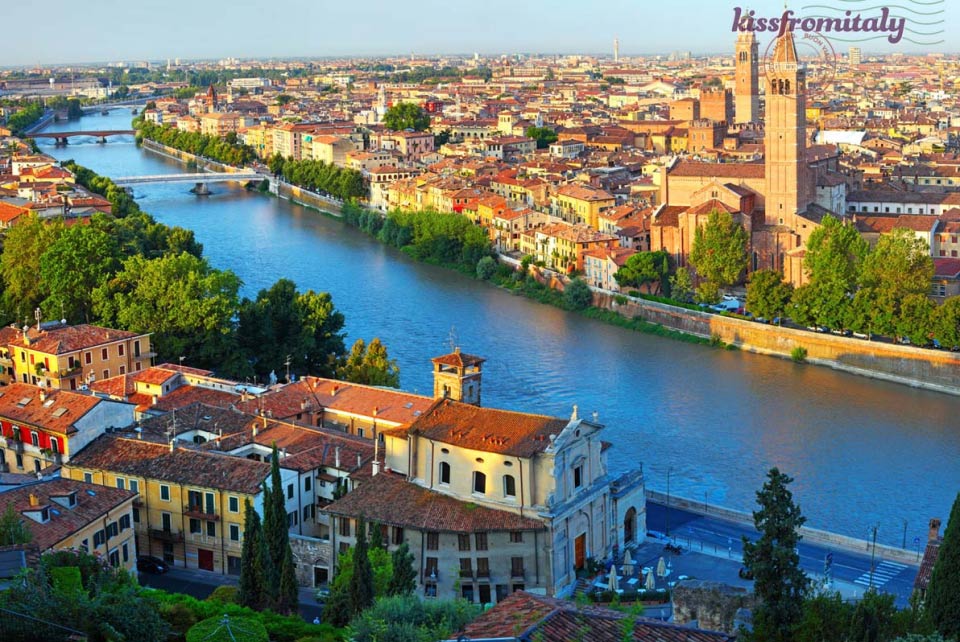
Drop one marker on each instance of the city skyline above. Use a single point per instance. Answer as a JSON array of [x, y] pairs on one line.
[[535, 27]]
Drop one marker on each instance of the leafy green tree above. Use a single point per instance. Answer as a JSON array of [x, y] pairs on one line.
[[407, 618], [78, 262], [406, 116], [779, 583], [284, 99], [282, 323], [767, 294], [251, 591], [370, 365], [289, 593], [13, 530], [361, 583], [825, 618], [543, 135], [900, 265], [577, 295], [946, 323], [486, 268], [282, 595], [681, 285], [223, 628], [23, 246], [707, 292], [719, 251], [943, 593], [643, 269], [403, 581], [186, 304], [916, 319]]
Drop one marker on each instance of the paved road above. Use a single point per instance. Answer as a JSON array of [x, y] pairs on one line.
[[723, 538], [200, 584]]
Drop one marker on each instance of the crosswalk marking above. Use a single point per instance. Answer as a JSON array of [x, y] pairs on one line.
[[883, 573]]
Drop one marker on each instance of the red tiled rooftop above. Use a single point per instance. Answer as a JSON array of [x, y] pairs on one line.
[[57, 412], [75, 337]]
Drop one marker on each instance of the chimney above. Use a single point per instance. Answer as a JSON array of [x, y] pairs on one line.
[[283, 453], [139, 432], [336, 457], [43, 395], [934, 530], [376, 455], [154, 400], [172, 443], [376, 410], [359, 460], [574, 416], [333, 391], [254, 431], [34, 500]]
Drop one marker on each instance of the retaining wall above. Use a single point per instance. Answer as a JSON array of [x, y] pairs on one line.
[[812, 535]]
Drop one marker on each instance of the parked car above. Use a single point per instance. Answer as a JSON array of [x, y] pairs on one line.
[[745, 573], [151, 564], [842, 333]]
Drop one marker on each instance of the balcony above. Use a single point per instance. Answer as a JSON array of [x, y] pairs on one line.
[[467, 573], [517, 574], [193, 510], [431, 576], [483, 574], [165, 536]]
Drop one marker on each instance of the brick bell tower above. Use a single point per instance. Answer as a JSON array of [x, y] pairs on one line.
[[747, 91]]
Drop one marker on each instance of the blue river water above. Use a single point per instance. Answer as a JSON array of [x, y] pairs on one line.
[[862, 452]]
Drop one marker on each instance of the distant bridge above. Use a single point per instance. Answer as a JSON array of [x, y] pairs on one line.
[[61, 137], [197, 179]]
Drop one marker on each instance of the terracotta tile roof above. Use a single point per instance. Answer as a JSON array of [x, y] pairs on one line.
[[946, 267], [458, 359], [155, 376], [75, 337], [119, 387], [719, 170], [709, 206], [391, 499], [93, 503], [487, 429], [525, 616], [185, 369], [151, 460], [188, 395], [392, 406], [57, 412]]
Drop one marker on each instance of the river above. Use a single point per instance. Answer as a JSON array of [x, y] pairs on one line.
[[863, 452]]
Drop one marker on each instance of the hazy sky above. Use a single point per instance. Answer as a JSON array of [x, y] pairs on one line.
[[111, 30]]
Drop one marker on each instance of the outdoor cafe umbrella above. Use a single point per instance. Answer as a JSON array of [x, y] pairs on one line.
[[662, 568], [627, 563], [614, 580], [651, 582]]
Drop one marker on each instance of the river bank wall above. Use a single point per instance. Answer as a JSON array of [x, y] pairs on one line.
[[812, 535]]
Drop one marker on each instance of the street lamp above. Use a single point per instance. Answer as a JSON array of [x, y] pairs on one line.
[[669, 470], [873, 555], [904, 533]]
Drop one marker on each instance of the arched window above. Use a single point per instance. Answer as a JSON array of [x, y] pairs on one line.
[[444, 472], [479, 482], [509, 486]]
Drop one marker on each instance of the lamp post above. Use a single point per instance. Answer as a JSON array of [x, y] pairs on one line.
[[669, 470], [904, 533], [873, 556]]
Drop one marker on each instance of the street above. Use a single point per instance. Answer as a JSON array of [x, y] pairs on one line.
[[850, 571]]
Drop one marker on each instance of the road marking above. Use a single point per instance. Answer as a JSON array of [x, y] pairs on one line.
[[883, 573]]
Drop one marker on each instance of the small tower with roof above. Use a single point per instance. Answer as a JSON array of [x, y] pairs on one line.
[[457, 376]]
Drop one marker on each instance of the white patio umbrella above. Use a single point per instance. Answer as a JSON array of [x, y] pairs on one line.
[[651, 582], [627, 563], [662, 568], [614, 584]]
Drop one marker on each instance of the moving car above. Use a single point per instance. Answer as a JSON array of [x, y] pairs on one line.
[[151, 564]]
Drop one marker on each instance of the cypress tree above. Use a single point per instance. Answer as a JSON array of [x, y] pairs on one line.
[[275, 530], [780, 584], [251, 560], [289, 594], [943, 593], [361, 584], [403, 581]]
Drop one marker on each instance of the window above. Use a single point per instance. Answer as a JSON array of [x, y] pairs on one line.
[[433, 541], [430, 568], [516, 566], [509, 486], [307, 483], [463, 542], [124, 522], [397, 535], [54, 445], [88, 358], [307, 512], [114, 558], [85, 545], [234, 532], [34, 439], [345, 527], [99, 538], [466, 567], [466, 592], [289, 491], [164, 492], [103, 354], [120, 350], [578, 476], [126, 553], [212, 529], [136, 515], [121, 483], [106, 373], [483, 567], [36, 465], [479, 482], [195, 525], [481, 540], [233, 504], [444, 472], [516, 537], [134, 486], [88, 477]]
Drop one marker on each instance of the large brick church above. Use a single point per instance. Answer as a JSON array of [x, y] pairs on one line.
[[779, 201]]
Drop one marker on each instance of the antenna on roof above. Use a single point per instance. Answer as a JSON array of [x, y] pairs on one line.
[[452, 337]]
